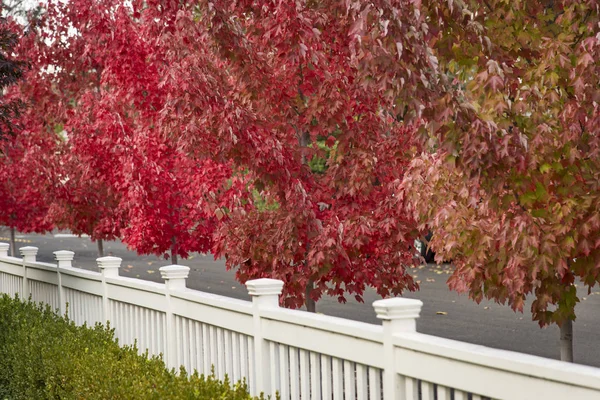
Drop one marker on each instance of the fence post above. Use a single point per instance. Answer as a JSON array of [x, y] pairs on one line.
[[28, 253], [109, 266], [265, 294], [63, 259], [4, 249], [397, 315], [174, 276]]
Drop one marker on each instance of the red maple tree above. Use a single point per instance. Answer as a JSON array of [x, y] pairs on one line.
[[120, 175], [274, 88], [25, 142]]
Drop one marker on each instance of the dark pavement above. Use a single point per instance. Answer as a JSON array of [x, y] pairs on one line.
[[444, 313]]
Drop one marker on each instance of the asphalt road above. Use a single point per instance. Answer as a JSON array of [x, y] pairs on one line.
[[444, 313]]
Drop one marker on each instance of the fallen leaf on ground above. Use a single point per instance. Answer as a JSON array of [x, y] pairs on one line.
[[441, 313], [151, 271], [129, 266]]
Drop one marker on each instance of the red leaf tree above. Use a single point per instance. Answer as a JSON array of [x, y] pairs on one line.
[[65, 75], [120, 175], [511, 186], [275, 87], [25, 142]]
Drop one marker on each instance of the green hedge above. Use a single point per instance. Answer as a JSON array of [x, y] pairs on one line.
[[45, 356]]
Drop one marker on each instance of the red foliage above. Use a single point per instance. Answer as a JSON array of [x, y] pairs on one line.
[[25, 169], [118, 175], [265, 85]]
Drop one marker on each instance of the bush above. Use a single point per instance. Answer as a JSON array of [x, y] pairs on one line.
[[46, 356]]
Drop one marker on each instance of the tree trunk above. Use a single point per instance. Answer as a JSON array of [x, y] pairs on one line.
[[13, 245], [100, 248], [311, 305], [173, 251], [566, 341]]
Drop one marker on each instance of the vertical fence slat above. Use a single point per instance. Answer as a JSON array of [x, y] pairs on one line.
[[163, 329], [199, 353], [206, 347], [118, 318], [251, 363], [154, 334], [374, 384], [294, 373], [304, 374], [427, 391], [179, 342], [220, 353], [87, 310], [362, 387], [338, 379], [236, 359], [315, 376], [244, 357], [444, 393], [126, 317], [274, 367], [349, 380], [213, 349], [228, 354], [412, 389], [326, 377], [460, 395], [284, 372]]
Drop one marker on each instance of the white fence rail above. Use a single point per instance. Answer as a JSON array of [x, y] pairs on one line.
[[298, 354]]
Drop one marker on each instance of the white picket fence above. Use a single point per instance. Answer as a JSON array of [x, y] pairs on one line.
[[298, 354]]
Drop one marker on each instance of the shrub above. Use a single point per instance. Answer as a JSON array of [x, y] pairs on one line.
[[46, 356]]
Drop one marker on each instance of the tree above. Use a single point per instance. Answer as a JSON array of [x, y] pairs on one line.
[[75, 193], [21, 172], [119, 175], [261, 85], [23, 177], [11, 70], [510, 184]]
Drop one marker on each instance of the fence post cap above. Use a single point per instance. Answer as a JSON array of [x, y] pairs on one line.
[[264, 287], [64, 255], [4, 246], [174, 272], [109, 262], [28, 251], [397, 308]]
